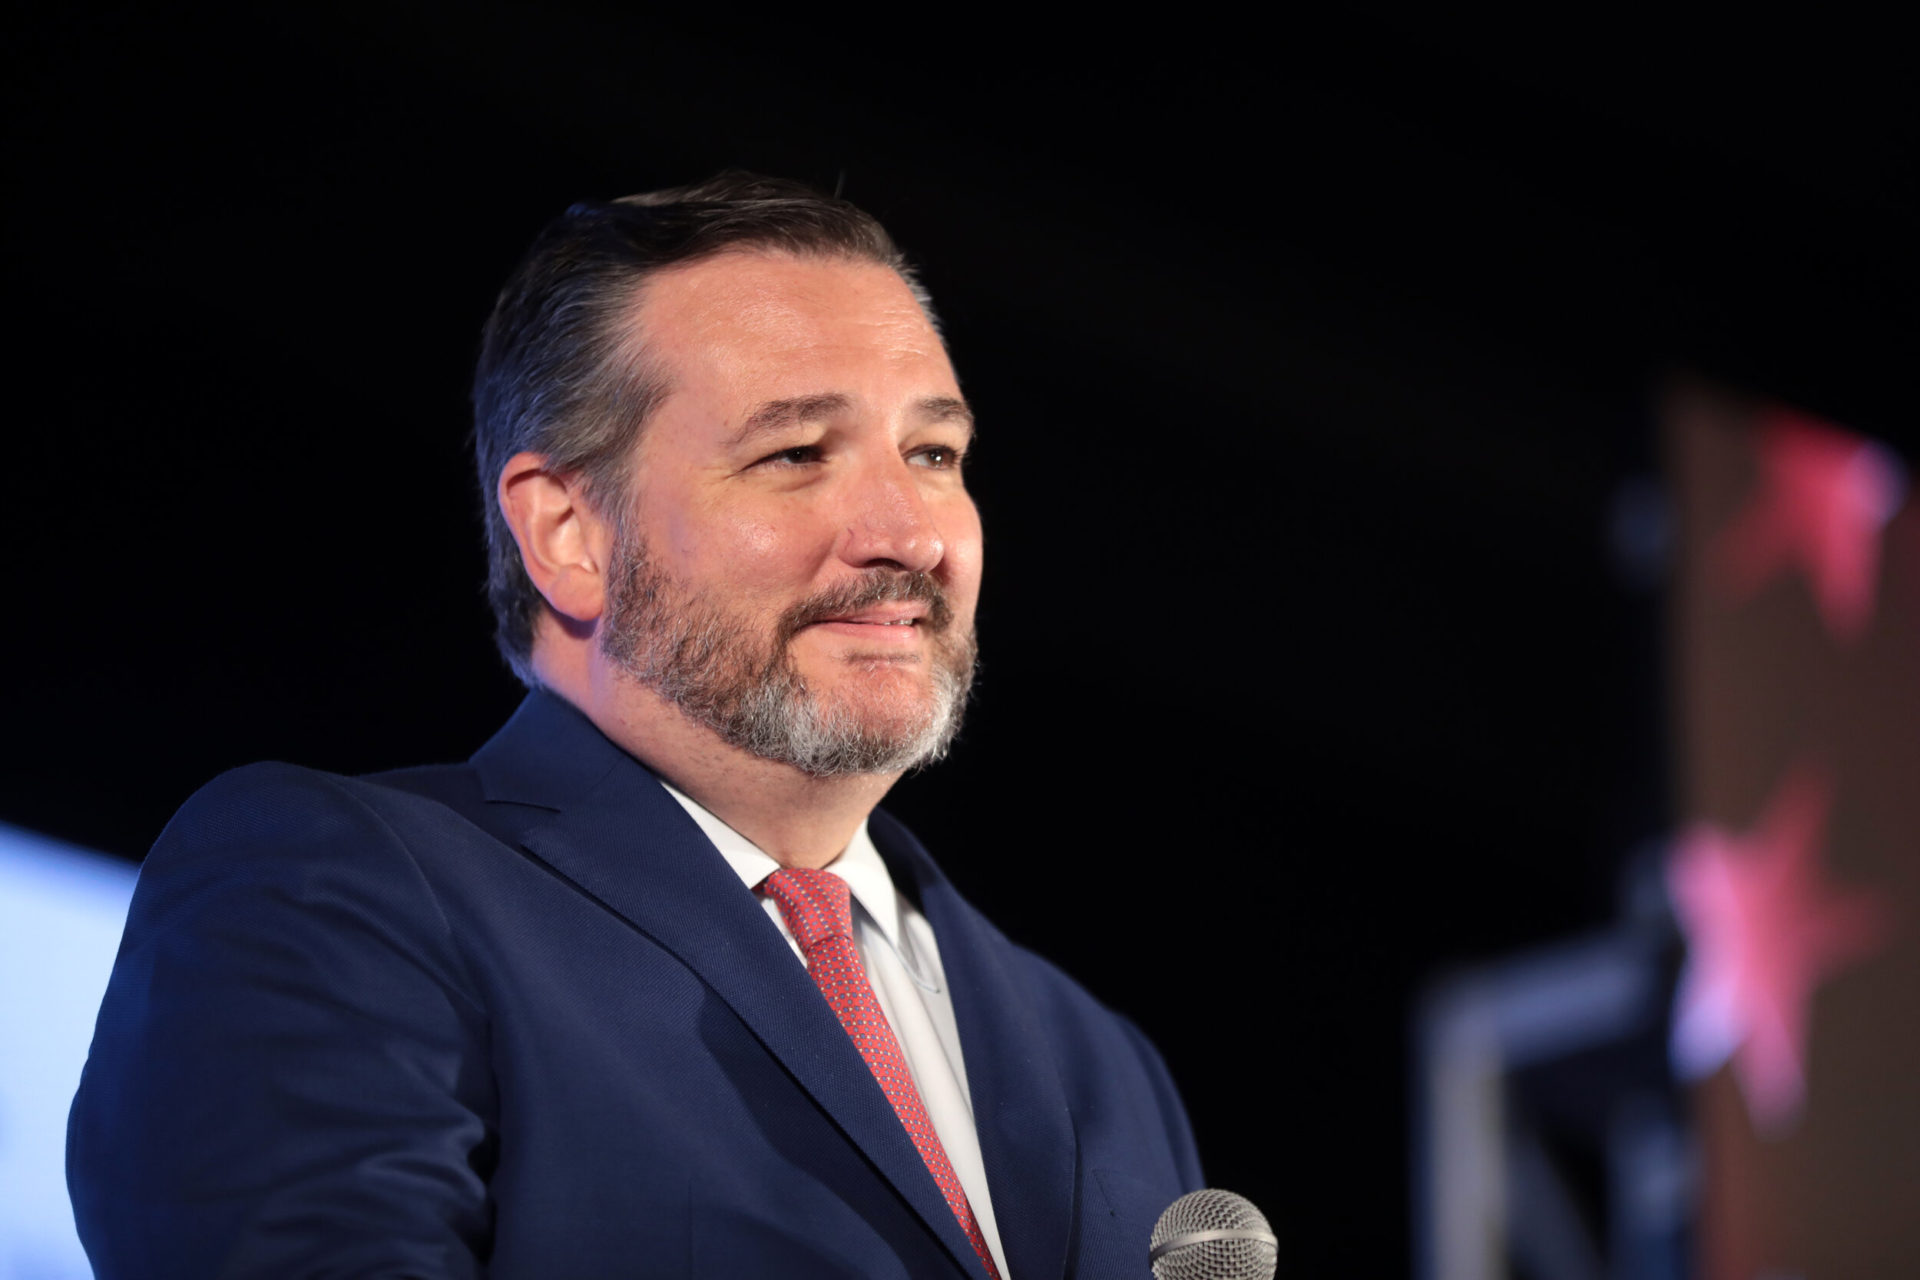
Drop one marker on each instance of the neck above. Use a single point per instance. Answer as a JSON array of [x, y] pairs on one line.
[[795, 819]]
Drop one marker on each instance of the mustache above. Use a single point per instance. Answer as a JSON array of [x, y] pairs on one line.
[[883, 586]]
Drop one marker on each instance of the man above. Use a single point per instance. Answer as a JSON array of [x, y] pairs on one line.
[[590, 1004]]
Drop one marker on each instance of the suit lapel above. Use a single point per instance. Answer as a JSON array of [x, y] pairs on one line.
[[615, 833], [1019, 1105]]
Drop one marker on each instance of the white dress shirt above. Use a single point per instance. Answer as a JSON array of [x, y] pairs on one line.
[[903, 967]]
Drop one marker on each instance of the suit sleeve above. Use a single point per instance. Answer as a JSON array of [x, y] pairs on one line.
[[1186, 1155], [288, 1074]]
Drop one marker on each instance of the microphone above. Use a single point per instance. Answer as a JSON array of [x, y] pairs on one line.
[[1212, 1235]]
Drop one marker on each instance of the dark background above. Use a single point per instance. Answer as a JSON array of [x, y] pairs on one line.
[[1315, 369]]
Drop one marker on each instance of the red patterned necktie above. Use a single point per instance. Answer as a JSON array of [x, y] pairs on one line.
[[819, 909]]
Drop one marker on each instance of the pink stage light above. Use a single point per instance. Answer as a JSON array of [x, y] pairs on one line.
[[1764, 928], [1824, 496]]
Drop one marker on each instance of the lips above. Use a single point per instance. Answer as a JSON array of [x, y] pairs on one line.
[[896, 616], [895, 602], [887, 626]]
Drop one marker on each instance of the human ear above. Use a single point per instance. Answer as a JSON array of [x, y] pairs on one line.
[[563, 543]]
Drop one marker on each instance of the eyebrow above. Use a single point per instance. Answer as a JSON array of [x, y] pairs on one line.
[[946, 409], [777, 415]]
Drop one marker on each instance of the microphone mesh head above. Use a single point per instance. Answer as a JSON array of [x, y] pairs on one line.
[[1210, 1210]]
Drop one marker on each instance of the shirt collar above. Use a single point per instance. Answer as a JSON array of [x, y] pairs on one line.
[[859, 864]]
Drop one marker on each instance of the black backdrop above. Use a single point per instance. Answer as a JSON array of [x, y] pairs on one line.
[[1310, 372]]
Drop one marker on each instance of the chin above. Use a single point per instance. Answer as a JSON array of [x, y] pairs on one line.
[[873, 679], [887, 717], [861, 715]]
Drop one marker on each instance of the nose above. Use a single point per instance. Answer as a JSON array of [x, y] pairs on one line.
[[889, 522]]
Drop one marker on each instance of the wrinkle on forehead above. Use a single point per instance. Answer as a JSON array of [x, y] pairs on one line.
[[789, 305]]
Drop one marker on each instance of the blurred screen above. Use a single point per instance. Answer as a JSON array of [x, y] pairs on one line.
[[61, 910], [1796, 871]]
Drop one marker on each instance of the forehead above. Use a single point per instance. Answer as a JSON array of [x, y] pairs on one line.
[[746, 318]]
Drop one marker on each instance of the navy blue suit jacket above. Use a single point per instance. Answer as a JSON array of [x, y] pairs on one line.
[[518, 1018]]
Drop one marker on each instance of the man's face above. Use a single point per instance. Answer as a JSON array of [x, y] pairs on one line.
[[798, 560]]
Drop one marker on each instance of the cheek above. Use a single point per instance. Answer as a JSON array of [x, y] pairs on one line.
[[743, 551]]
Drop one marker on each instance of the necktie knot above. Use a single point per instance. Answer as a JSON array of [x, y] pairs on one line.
[[816, 904]]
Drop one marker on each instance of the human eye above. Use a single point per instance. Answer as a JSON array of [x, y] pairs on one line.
[[937, 457], [798, 456]]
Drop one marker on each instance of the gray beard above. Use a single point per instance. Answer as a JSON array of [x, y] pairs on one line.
[[711, 667]]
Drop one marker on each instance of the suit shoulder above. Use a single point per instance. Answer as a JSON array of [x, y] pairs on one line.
[[270, 821], [268, 797], [281, 798], [288, 858], [455, 786], [286, 830], [1060, 989]]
